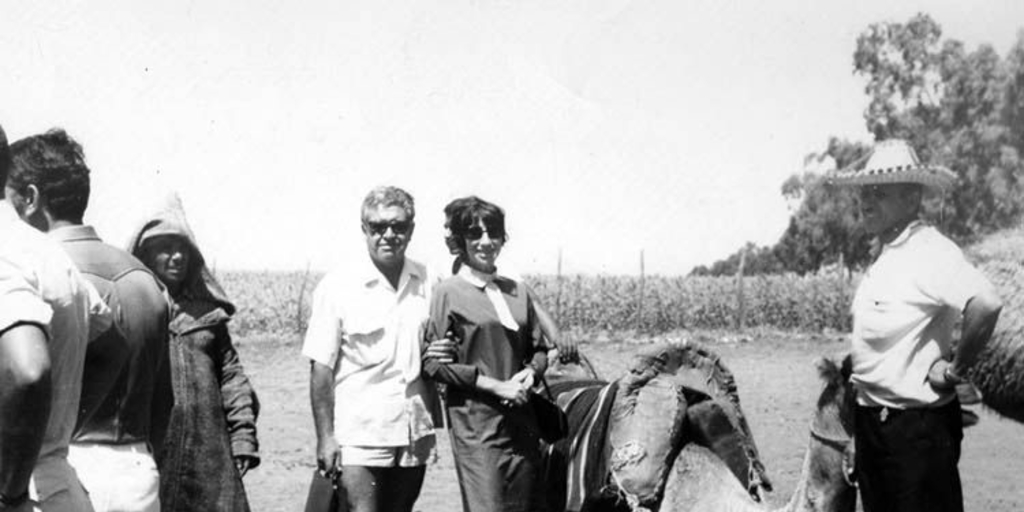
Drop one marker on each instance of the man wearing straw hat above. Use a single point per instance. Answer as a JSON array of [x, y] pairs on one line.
[[907, 422]]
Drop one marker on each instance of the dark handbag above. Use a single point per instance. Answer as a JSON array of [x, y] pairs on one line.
[[552, 423], [325, 495]]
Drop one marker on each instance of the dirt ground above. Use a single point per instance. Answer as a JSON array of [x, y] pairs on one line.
[[777, 382]]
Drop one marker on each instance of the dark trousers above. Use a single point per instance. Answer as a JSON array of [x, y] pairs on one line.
[[907, 459]]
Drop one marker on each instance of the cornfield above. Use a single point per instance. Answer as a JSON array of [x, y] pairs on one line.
[[278, 303]]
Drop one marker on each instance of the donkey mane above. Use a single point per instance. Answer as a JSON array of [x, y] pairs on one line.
[[838, 390]]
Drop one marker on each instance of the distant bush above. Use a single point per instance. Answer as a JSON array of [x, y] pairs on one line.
[[278, 303], [670, 303], [271, 303]]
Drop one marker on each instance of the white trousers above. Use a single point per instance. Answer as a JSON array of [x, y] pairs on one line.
[[118, 477]]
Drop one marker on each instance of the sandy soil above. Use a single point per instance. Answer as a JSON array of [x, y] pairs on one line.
[[777, 382]]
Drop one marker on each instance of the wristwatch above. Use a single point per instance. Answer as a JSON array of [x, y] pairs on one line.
[[7, 501]]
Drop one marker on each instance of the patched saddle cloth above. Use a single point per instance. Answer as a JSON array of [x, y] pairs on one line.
[[624, 436]]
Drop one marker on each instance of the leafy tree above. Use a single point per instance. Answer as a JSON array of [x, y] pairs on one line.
[[759, 260], [958, 108], [823, 230]]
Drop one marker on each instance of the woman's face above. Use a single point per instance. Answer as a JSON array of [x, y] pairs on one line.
[[483, 248], [168, 256]]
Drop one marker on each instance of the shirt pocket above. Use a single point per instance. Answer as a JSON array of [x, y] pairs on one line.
[[884, 319], [367, 346]]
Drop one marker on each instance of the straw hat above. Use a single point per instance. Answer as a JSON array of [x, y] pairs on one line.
[[892, 161]]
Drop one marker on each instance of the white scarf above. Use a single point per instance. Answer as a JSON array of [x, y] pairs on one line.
[[486, 282]]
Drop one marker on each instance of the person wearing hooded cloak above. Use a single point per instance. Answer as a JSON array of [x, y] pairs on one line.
[[210, 441]]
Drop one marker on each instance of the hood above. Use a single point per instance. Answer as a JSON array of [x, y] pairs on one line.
[[200, 289]]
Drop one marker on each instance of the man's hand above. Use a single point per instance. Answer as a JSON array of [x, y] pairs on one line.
[[328, 456], [942, 377], [444, 351], [242, 464], [568, 350]]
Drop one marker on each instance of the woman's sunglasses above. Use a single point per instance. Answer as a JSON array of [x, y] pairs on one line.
[[477, 232]]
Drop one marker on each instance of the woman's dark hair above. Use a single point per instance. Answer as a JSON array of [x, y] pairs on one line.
[[464, 213]]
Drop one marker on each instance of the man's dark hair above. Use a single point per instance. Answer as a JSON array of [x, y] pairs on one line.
[[5, 157], [55, 164]]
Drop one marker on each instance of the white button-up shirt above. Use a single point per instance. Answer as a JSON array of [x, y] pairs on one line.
[[904, 313], [40, 285], [370, 333]]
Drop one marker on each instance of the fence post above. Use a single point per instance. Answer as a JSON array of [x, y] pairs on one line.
[[741, 309], [299, 318], [558, 292], [640, 299]]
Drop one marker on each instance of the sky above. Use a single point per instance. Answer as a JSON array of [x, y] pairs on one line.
[[606, 129]]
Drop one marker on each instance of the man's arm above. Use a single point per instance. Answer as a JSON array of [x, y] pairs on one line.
[[980, 316], [321, 396], [979, 319], [568, 351], [25, 390]]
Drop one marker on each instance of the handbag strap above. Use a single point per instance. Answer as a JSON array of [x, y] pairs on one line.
[[547, 390]]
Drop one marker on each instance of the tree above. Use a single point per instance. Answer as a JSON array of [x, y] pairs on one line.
[[824, 229], [958, 109], [963, 110]]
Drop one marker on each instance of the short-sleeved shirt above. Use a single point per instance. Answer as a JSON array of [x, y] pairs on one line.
[[40, 285], [369, 333], [122, 364], [904, 313]]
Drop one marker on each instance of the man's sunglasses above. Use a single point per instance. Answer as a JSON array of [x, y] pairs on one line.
[[379, 228], [477, 232]]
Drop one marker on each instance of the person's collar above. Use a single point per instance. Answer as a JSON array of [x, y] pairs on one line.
[[371, 275], [74, 233], [908, 230], [7, 212], [477, 278]]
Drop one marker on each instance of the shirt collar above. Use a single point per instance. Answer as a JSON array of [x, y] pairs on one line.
[[479, 279], [906, 233], [74, 233], [372, 276], [7, 213]]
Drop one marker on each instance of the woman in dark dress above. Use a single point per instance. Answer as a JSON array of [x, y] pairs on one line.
[[500, 352], [211, 436]]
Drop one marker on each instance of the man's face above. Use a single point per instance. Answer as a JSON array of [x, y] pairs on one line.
[[883, 207], [388, 230]]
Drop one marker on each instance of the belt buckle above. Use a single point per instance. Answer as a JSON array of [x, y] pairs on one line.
[[884, 414]]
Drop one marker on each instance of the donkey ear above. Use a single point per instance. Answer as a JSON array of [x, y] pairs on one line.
[[828, 370], [847, 366]]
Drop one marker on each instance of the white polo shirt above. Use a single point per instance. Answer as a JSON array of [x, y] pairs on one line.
[[40, 285], [370, 334], [904, 314]]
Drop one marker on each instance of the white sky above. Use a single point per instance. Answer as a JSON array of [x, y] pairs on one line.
[[603, 127]]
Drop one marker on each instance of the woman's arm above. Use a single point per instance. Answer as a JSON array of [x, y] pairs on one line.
[[441, 324], [241, 407]]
